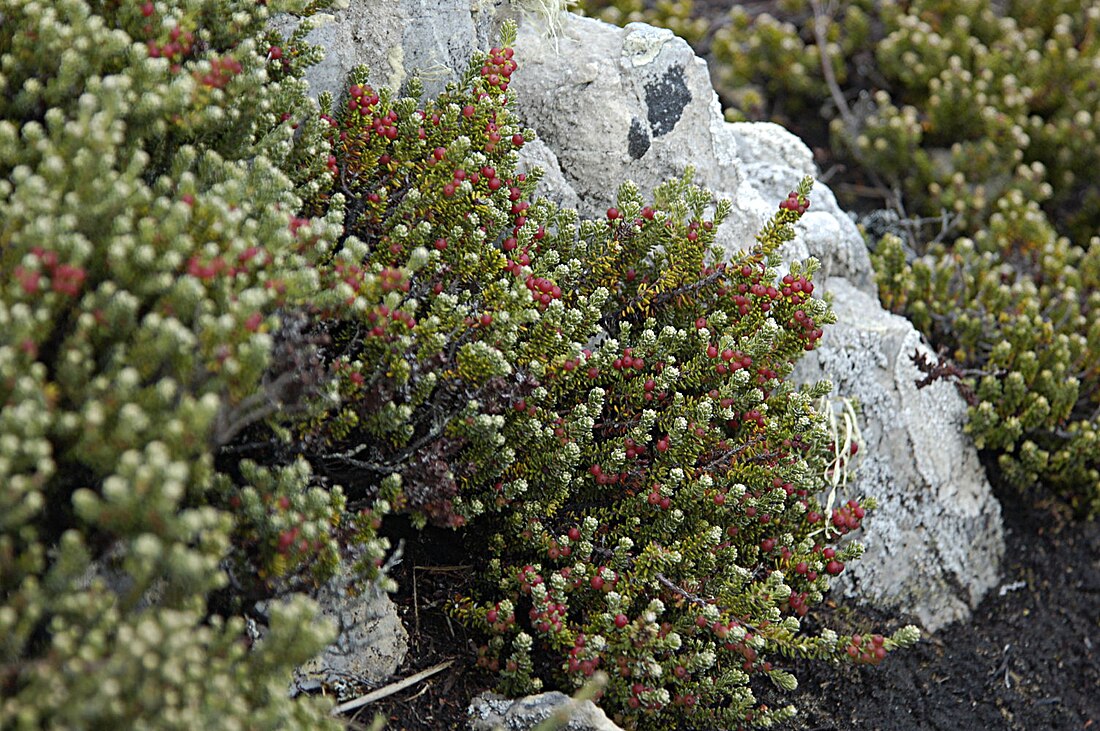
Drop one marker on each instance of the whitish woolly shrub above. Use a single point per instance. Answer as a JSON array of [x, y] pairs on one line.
[[146, 244]]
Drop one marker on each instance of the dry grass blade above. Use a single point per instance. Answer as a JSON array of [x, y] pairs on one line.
[[390, 689]]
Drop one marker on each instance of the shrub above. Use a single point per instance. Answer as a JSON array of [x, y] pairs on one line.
[[683, 542], [977, 121], [602, 404], [145, 253]]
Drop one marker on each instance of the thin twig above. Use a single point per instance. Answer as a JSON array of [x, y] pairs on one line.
[[820, 22], [388, 690], [853, 125], [416, 604], [671, 586]]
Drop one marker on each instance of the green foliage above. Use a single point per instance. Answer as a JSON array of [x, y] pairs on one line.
[[602, 404], [681, 542], [144, 257], [679, 16], [1028, 340], [983, 119]]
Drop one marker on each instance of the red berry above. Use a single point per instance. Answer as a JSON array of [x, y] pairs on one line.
[[621, 620]]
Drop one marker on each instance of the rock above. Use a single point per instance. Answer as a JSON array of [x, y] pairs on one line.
[[553, 186], [396, 40], [934, 545], [491, 712], [617, 104], [772, 160], [371, 642], [635, 103]]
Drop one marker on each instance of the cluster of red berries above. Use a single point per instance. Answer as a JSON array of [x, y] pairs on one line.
[[628, 362], [765, 294], [460, 174], [393, 280], [209, 270], [222, 70], [848, 517], [543, 291], [748, 652], [633, 449], [687, 700], [522, 405], [527, 578], [796, 603], [581, 658], [657, 500], [732, 360], [810, 333], [795, 203], [752, 415], [556, 549], [498, 68], [498, 622], [384, 126], [361, 98], [289, 540], [797, 288], [599, 583], [179, 45], [549, 617], [635, 699], [693, 229], [603, 478], [378, 317], [492, 132], [864, 652], [803, 569], [832, 566], [66, 279], [485, 319], [352, 275]]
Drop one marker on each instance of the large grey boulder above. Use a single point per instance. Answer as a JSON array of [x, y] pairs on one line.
[[934, 545], [396, 39]]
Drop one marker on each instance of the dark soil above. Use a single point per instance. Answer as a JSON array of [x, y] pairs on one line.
[[1028, 659]]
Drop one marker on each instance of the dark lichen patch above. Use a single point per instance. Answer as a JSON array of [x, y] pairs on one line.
[[637, 140], [665, 99]]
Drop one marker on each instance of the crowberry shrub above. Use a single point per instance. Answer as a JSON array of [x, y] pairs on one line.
[[683, 542], [440, 308]]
